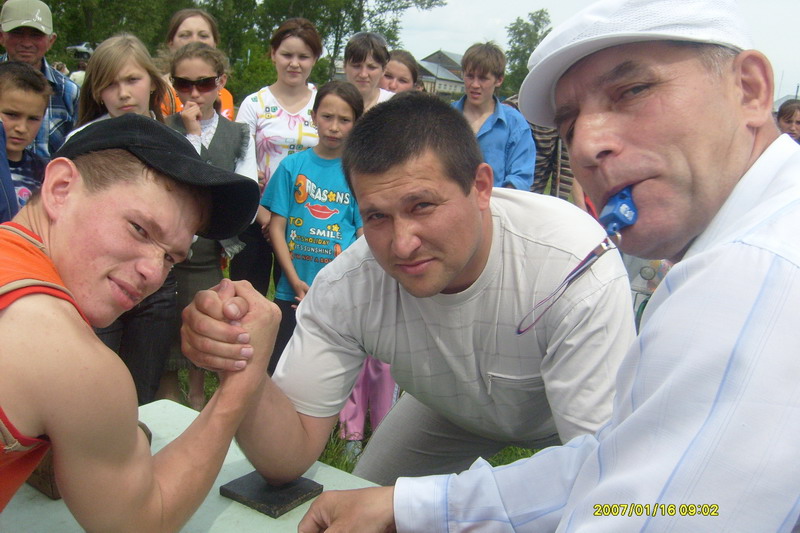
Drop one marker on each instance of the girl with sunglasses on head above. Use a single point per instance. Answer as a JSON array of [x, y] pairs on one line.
[[279, 117], [198, 74]]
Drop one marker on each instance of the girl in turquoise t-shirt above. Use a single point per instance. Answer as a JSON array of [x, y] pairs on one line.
[[314, 213]]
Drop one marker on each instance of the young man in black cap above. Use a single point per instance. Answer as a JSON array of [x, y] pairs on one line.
[[119, 206]]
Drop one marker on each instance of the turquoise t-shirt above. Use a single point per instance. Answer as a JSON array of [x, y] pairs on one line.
[[320, 210]]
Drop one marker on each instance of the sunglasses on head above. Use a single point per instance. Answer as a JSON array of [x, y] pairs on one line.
[[203, 84]]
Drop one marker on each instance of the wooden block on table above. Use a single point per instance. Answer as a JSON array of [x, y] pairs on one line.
[[253, 491]]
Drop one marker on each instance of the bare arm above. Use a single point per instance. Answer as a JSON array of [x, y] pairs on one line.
[[81, 395], [277, 234], [280, 442], [263, 217]]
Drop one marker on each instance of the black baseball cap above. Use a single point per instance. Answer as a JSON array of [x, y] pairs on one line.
[[234, 198]]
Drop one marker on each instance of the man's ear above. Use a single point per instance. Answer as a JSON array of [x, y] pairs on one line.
[[754, 75], [51, 39], [61, 179], [484, 181]]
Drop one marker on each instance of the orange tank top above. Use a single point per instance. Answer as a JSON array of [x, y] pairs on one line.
[[25, 269]]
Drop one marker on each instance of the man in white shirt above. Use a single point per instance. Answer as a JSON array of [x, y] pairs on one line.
[[667, 98], [449, 268]]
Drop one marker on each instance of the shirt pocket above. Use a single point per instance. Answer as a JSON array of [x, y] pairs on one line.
[[520, 405], [500, 384]]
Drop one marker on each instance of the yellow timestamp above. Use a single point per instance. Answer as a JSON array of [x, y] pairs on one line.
[[656, 509]]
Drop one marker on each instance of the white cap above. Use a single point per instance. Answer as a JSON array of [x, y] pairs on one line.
[[614, 22], [30, 13]]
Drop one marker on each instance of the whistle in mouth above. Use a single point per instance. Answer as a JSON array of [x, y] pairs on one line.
[[619, 212]]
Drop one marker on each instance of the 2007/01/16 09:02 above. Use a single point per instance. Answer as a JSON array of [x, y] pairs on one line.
[[658, 509]]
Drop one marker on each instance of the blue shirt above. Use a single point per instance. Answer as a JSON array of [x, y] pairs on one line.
[[27, 174], [321, 213], [8, 199], [507, 144], [61, 114]]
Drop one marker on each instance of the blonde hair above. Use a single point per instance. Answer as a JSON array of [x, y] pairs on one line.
[[103, 67]]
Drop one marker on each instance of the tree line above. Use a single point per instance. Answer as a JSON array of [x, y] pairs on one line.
[[246, 26]]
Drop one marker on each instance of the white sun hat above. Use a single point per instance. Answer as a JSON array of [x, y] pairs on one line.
[[614, 22]]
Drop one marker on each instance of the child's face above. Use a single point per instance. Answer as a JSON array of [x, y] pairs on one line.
[[129, 92], [194, 69], [334, 119], [365, 76], [480, 86], [397, 77], [22, 113]]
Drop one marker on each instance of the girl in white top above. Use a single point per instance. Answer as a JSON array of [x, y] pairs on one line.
[[279, 117], [365, 59]]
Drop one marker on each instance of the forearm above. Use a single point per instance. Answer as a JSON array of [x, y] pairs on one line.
[[262, 216], [277, 234], [281, 443], [186, 468]]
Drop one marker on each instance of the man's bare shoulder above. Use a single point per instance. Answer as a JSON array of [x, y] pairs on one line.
[[56, 367]]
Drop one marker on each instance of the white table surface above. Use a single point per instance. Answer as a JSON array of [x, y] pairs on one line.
[[30, 510]]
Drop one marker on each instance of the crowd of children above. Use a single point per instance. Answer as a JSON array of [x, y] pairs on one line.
[[289, 136]]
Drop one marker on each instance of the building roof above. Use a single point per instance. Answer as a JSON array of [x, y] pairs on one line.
[[439, 72]]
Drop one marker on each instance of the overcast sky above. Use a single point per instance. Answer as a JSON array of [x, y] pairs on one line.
[[455, 27]]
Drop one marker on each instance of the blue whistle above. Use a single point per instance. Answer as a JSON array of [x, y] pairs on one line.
[[619, 212]]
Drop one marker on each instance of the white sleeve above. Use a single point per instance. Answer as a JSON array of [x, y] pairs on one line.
[[527, 495], [247, 165], [320, 364], [248, 113]]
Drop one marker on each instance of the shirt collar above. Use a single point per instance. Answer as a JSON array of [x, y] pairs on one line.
[[762, 190]]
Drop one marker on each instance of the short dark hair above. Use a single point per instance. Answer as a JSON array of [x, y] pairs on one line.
[[344, 90], [364, 43], [21, 76], [404, 128], [301, 28]]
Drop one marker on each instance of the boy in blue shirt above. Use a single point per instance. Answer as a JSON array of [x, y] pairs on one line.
[[24, 96], [503, 133]]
